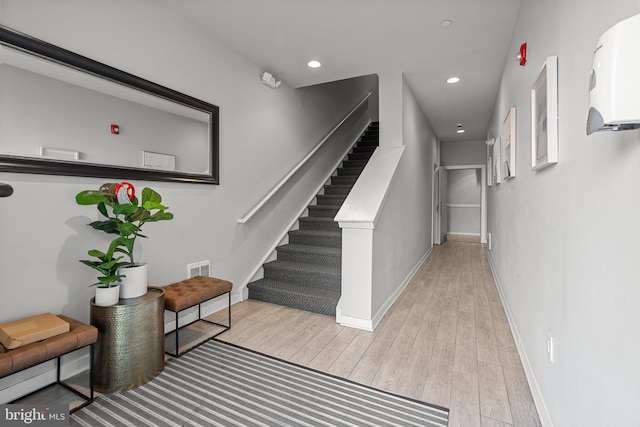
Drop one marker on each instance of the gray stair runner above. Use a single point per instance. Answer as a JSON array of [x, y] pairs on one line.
[[306, 273]]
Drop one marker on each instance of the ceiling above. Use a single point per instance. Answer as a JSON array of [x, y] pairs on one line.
[[358, 37]]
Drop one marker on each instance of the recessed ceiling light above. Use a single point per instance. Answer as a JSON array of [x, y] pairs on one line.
[[314, 64], [460, 131], [452, 80], [446, 23]]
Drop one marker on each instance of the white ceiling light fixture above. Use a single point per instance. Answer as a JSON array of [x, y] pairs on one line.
[[314, 64], [460, 130], [446, 23], [453, 80]]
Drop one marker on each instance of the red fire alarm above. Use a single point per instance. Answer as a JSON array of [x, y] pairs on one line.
[[115, 129], [522, 56]]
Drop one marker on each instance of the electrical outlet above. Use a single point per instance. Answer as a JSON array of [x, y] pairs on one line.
[[550, 347]]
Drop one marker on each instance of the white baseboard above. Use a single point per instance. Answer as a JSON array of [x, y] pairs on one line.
[[353, 322], [543, 411]]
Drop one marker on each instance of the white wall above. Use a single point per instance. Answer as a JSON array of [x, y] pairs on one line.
[[564, 239], [454, 153], [402, 235], [263, 134]]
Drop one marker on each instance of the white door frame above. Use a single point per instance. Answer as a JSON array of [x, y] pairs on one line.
[[483, 202], [435, 212]]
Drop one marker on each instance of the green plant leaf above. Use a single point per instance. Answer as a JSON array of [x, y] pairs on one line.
[[139, 215], [150, 205], [93, 197], [96, 253], [125, 209], [160, 216], [149, 195], [128, 229], [102, 208], [110, 226]]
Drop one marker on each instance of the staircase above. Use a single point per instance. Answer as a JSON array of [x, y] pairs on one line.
[[307, 272]]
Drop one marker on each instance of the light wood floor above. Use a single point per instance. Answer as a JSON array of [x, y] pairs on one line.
[[445, 341]]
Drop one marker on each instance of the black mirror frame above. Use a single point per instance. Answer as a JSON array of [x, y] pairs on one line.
[[62, 56]]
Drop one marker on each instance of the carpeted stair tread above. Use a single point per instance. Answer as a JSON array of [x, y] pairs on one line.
[[330, 199], [311, 254], [310, 274], [295, 288], [360, 156], [354, 163], [301, 297], [316, 237], [348, 171], [310, 249], [324, 211], [318, 223], [303, 267], [343, 180], [337, 190], [364, 149]]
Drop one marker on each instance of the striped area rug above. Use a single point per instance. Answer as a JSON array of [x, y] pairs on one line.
[[217, 384]]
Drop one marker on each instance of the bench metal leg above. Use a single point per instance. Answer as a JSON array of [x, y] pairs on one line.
[[226, 327], [87, 399], [58, 360]]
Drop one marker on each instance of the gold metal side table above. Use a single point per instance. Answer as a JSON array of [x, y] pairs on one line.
[[130, 347]]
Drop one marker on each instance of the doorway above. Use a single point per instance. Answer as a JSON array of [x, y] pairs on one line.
[[460, 202]]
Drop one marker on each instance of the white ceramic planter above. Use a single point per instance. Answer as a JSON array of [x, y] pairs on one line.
[[134, 284], [107, 296]]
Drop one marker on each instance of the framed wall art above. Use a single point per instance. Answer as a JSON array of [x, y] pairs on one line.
[[497, 156], [544, 116], [489, 143], [508, 137]]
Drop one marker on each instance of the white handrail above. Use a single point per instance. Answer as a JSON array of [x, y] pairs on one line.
[[275, 189]]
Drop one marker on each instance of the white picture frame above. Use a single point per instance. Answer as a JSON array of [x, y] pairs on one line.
[[508, 140], [497, 160], [544, 116], [490, 149]]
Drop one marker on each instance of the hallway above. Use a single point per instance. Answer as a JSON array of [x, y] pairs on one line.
[[445, 341]]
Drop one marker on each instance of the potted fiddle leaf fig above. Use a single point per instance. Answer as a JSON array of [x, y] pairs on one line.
[[108, 284], [124, 215]]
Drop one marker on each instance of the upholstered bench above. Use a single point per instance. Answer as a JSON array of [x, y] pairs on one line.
[[80, 335], [191, 292]]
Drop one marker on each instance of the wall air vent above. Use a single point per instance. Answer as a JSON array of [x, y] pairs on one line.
[[201, 268]]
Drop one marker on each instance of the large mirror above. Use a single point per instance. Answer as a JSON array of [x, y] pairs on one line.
[[64, 114]]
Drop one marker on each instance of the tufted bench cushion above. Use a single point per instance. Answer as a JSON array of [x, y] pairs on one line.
[[79, 335], [191, 292], [185, 294]]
